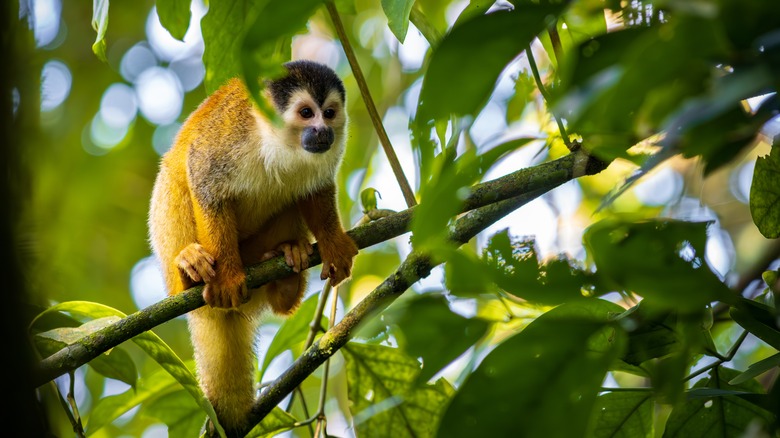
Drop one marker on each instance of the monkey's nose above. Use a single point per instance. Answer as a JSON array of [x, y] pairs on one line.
[[317, 139]]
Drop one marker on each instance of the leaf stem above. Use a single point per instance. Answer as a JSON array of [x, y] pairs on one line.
[[384, 140], [546, 96]]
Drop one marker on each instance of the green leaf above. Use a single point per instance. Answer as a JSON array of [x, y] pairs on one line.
[[179, 412], [759, 320], [488, 42], [108, 409], [555, 365], [223, 29], [273, 424], [757, 369], [424, 322], [661, 260], [115, 363], [717, 413], [516, 268], [465, 274], [765, 196], [293, 332], [397, 12], [100, 24], [385, 401], [443, 197], [151, 344], [473, 9], [623, 414], [651, 339], [368, 199], [266, 45], [174, 16]]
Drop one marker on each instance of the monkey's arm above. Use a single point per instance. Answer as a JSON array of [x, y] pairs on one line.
[[216, 232], [320, 212]]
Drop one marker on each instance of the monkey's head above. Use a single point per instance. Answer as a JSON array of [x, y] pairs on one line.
[[311, 101]]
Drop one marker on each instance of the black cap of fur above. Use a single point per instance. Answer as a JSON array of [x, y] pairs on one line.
[[318, 79]]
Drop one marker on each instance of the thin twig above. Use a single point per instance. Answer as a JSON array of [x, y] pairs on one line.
[[392, 158], [545, 96], [555, 40], [730, 355], [77, 426]]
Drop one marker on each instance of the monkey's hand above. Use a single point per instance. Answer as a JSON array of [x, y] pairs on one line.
[[296, 254], [227, 288], [338, 252]]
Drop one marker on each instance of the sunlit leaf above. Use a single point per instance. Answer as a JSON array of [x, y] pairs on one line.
[[424, 322], [764, 194], [717, 414], [489, 42], [174, 16], [151, 344], [385, 401], [556, 364], [397, 12], [276, 422], [368, 199], [661, 260], [293, 332], [100, 24], [623, 414]]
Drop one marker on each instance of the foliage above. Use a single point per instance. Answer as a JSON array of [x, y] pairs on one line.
[[635, 327]]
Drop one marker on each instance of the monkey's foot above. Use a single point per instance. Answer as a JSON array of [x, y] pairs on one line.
[[296, 254], [227, 289], [195, 264]]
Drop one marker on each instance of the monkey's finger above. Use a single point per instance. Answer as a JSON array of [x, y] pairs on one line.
[[207, 257], [285, 248], [309, 248], [325, 270], [205, 270], [190, 271], [296, 256]]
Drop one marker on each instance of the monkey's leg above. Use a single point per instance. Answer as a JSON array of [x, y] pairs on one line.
[[285, 295], [225, 357]]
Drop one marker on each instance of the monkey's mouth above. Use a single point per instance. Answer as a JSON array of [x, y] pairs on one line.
[[316, 148]]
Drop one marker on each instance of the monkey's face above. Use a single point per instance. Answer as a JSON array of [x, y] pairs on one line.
[[317, 126]]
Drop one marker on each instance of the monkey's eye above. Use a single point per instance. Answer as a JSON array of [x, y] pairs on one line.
[[330, 113], [306, 113]]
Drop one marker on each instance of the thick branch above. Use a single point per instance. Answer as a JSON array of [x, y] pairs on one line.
[[541, 177]]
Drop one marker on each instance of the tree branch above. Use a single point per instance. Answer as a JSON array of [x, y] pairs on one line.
[[545, 176], [416, 266]]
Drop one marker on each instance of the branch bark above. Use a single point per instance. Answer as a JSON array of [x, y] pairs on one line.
[[542, 177]]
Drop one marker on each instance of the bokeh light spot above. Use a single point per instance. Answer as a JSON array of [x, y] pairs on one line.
[[146, 282], [56, 81], [160, 95], [163, 137], [136, 60], [118, 106]]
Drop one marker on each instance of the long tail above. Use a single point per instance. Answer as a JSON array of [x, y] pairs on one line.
[[224, 343]]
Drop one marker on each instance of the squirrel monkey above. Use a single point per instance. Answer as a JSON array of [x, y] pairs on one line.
[[236, 189]]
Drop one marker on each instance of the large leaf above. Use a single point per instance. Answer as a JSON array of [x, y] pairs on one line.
[[174, 16], [397, 12], [150, 387], [293, 332], [266, 45], [717, 413], [150, 343], [223, 30], [115, 363], [661, 260], [179, 412], [765, 196], [623, 414], [385, 401], [426, 320], [757, 369], [555, 365], [470, 58]]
